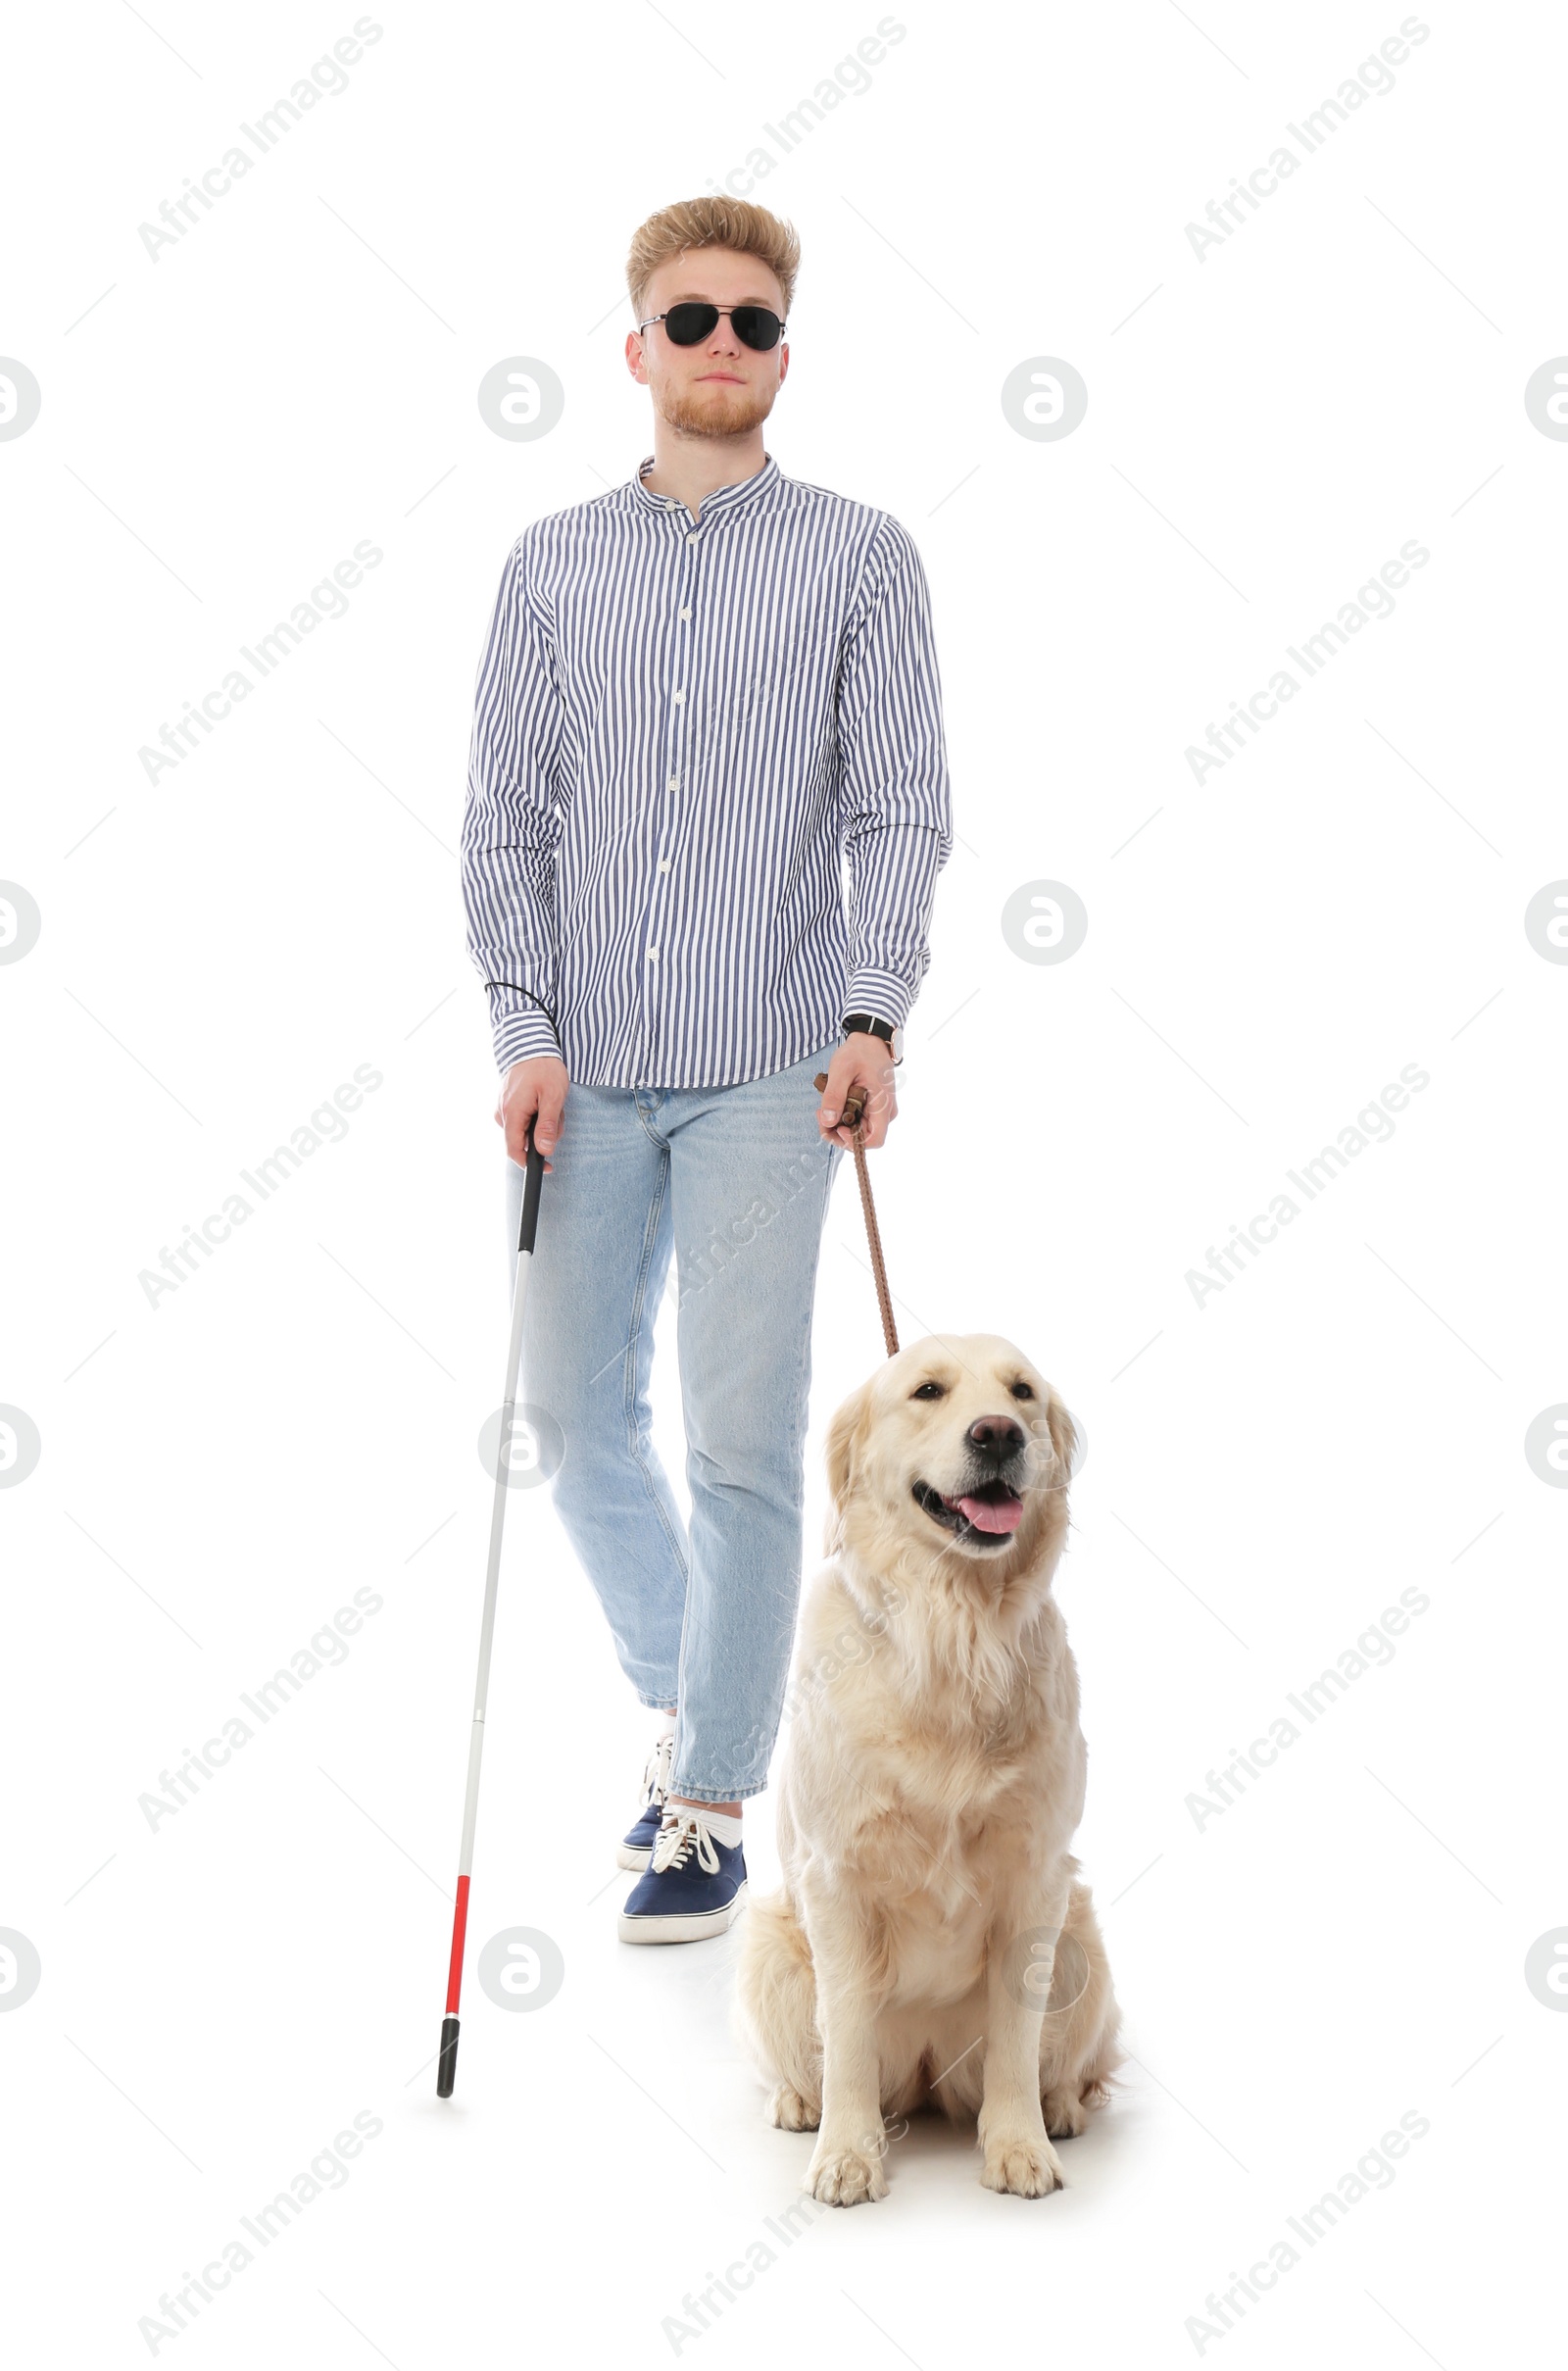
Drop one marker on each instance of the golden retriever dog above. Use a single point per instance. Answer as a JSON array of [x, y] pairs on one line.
[[933, 1944]]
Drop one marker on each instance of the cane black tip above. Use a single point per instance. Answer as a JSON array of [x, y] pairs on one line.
[[446, 2072]]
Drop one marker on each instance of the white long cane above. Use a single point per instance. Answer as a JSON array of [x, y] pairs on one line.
[[447, 2073]]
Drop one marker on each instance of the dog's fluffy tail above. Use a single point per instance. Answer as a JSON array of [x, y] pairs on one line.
[[775, 1996], [1099, 2076]]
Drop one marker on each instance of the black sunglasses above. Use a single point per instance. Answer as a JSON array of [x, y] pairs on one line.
[[688, 324]]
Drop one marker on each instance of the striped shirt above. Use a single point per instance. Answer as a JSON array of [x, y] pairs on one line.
[[683, 731]]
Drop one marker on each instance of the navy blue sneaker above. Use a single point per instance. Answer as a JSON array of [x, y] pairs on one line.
[[636, 1848], [692, 1886]]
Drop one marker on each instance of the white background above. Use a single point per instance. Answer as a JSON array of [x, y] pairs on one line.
[[221, 948]]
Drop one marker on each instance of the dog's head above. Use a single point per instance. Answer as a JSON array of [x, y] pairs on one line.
[[958, 1448]]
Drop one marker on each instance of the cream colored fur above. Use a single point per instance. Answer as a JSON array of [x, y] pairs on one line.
[[932, 1943]]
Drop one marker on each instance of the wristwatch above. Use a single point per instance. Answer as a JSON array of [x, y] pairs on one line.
[[867, 1023]]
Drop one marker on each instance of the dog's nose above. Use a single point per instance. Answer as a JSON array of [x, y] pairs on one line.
[[1000, 1435]]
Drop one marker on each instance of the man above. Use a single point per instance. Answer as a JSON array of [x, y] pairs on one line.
[[700, 692]]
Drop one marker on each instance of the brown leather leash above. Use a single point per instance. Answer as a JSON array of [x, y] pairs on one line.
[[852, 1116]]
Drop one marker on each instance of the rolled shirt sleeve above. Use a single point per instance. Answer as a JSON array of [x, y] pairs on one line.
[[895, 795], [511, 825]]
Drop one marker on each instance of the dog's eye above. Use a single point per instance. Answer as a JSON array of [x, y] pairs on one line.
[[1023, 1391], [927, 1391]]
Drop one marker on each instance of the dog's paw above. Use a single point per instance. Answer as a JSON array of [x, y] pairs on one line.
[[844, 2177], [791, 2114], [1023, 2163], [1065, 2114]]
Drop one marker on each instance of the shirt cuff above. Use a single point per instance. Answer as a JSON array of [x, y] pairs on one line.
[[882, 994], [521, 1035]]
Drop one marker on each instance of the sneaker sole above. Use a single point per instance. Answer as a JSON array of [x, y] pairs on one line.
[[634, 1856], [692, 1928]]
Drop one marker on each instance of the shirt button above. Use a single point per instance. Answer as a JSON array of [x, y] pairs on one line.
[[653, 955], [674, 782], [685, 613], [691, 538], [665, 864], [678, 697]]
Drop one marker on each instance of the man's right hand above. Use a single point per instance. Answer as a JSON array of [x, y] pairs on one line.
[[530, 1087]]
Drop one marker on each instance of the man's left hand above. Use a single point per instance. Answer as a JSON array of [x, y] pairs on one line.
[[863, 1061]]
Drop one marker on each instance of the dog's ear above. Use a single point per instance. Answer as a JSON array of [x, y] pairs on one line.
[[1065, 1439], [844, 1435]]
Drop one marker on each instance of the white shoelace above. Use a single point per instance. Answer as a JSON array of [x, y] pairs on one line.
[[657, 1776], [675, 1839]]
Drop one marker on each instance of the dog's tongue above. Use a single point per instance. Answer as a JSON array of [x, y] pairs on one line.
[[991, 1514]]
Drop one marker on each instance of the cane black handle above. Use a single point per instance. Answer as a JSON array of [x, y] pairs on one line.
[[532, 1182]]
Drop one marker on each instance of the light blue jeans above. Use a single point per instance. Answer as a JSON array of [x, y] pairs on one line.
[[735, 1181]]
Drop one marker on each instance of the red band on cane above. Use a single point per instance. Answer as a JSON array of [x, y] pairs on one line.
[[460, 1925]]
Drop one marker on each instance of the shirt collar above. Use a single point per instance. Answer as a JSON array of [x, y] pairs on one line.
[[724, 498]]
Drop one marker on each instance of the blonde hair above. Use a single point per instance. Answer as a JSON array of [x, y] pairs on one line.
[[696, 222]]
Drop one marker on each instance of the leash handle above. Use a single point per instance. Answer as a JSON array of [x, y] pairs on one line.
[[854, 1119]]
